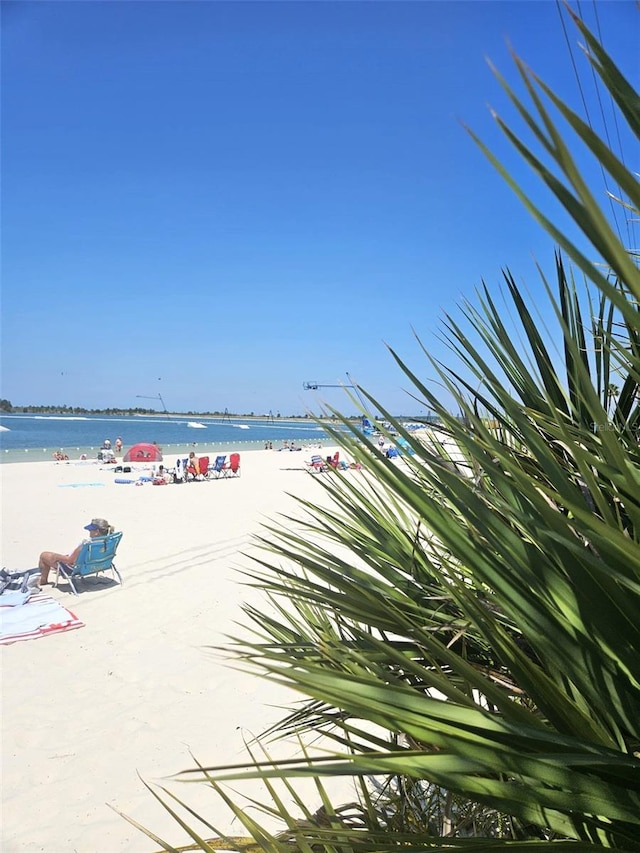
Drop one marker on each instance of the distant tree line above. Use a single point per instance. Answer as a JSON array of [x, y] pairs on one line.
[[6, 406]]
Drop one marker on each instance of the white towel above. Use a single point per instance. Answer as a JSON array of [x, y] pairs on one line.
[[40, 616], [14, 598]]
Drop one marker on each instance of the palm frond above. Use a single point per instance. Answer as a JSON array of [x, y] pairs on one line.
[[462, 625]]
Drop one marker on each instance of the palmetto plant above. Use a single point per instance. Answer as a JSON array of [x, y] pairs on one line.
[[465, 628]]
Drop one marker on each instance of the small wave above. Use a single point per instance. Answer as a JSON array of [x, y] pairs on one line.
[[57, 418]]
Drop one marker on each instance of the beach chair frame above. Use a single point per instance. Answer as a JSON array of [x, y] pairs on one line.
[[216, 470], [232, 468], [316, 464], [95, 557], [203, 468]]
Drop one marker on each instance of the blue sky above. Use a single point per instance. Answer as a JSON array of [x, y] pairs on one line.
[[216, 201]]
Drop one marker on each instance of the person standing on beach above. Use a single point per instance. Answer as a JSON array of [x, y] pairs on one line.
[[118, 445], [49, 559]]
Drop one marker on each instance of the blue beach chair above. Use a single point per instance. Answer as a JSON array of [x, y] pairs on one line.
[[215, 470], [96, 556]]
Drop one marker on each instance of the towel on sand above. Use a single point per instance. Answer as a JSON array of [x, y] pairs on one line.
[[40, 616]]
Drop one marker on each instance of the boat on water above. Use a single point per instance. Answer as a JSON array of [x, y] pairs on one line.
[[196, 425]]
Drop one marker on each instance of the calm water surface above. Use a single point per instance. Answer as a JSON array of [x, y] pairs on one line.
[[28, 438]]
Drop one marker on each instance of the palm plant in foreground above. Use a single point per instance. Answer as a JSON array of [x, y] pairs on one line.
[[464, 626]]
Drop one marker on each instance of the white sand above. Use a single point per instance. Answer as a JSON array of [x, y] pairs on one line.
[[135, 690]]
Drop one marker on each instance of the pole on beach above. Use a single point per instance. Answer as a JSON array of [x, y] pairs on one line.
[[154, 397]]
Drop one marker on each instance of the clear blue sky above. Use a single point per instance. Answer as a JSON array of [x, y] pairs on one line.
[[216, 201]]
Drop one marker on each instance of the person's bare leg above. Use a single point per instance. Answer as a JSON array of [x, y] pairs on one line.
[[47, 561]]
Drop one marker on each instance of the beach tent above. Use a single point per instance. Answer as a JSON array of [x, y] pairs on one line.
[[143, 453]]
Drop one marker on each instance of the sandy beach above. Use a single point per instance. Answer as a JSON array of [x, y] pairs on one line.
[[87, 712]]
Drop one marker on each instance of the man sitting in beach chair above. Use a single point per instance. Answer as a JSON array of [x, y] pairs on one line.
[[191, 467]]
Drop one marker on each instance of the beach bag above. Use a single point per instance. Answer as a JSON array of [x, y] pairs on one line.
[[27, 581]]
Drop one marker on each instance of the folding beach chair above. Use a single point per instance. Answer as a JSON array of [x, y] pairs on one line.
[[215, 470], [232, 468], [316, 464], [96, 556], [203, 468]]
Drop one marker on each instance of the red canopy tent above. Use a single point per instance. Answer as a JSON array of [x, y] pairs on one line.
[[143, 453]]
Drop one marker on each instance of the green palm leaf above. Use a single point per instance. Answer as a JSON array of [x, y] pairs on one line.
[[462, 626]]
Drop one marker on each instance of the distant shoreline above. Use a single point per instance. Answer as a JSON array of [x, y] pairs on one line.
[[17, 411], [32, 437], [196, 417]]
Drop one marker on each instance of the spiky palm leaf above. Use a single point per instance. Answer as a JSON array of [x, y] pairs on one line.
[[485, 613]]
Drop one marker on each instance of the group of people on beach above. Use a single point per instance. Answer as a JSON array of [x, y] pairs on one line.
[[105, 454], [286, 445]]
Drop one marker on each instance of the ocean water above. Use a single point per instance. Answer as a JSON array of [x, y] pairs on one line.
[[28, 438]]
